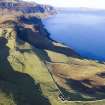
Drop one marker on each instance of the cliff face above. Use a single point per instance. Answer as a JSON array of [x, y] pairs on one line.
[[26, 7]]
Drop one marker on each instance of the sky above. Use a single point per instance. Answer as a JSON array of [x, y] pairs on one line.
[[99, 4]]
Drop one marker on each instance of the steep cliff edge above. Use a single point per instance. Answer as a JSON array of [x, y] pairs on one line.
[[25, 7]]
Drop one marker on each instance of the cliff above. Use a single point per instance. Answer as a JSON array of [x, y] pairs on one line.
[[25, 7]]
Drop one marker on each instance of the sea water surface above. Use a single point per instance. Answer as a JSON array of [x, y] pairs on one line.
[[82, 31]]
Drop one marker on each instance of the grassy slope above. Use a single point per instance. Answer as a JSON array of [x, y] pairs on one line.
[[28, 61]]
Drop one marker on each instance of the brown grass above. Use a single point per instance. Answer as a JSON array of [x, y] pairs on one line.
[[80, 75]]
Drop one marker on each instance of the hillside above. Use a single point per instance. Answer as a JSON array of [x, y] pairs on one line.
[[26, 51], [36, 70]]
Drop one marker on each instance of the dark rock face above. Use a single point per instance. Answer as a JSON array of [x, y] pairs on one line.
[[25, 7]]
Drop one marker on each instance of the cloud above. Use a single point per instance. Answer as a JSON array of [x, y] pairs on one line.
[[73, 3]]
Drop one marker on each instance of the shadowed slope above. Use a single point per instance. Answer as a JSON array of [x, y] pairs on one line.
[[21, 86], [39, 38], [80, 80]]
